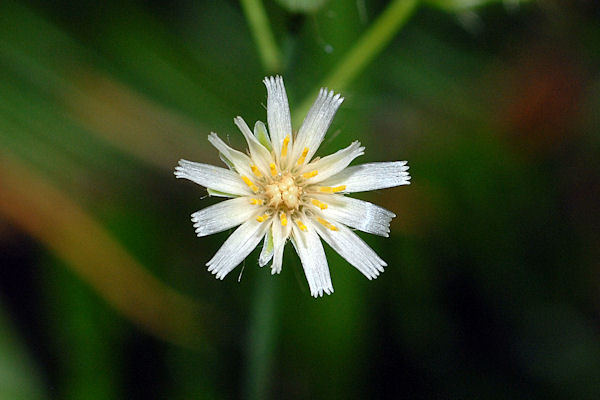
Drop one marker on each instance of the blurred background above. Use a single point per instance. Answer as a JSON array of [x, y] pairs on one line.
[[492, 288]]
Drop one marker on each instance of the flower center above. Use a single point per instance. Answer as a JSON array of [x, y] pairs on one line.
[[283, 193]]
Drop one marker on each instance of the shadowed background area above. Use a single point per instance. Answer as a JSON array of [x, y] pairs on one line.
[[492, 285]]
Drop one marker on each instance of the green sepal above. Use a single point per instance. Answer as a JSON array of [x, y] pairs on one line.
[[227, 162], [260, 131], [217, 193]]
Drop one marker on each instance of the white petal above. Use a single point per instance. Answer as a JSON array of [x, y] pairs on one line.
[[353, 249], [280, 236], [237, 247], [333, 163], [372, 176], [260, 155], [357, 214], [239, 160], [278, 113], [211, 177], [223, 215], [267, 251], [311, 253], [316, 123]]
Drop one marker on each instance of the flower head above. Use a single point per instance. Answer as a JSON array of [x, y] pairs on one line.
[[278, 191]]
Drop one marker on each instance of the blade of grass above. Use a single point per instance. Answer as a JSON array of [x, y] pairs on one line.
[[77, 238], [258, 22], [108, 109]]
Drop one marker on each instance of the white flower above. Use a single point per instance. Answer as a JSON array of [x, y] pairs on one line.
[[278, 192]]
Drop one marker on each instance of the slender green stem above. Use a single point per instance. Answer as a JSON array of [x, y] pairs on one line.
[[263, 36], [263, 327], [364, 51], [261, 337], [263, 324]]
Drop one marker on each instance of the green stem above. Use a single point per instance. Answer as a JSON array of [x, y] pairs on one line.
[[263, 325], [370, 44], [263, 36], [261, 336]]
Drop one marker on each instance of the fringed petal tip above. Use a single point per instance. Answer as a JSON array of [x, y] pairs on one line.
[[329, 97], [320, 292], [404, 174], [179, 170]]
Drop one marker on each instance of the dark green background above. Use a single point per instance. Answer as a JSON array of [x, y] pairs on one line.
[[492, 288]]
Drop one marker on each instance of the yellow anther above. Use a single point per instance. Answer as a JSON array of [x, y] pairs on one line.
[[327, 224], [319, 204], [251, 184], [301, 225], [283, 219], [273, 169], [330, 189], [303, 156], [256, 171], [310, 174], [284, 147], [262, 218], [260, 202]]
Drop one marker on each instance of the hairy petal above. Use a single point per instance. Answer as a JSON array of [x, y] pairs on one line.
[[372, 176], [316, 123], [211, 177], [239, 160], [278, 113], [223, 216], [311, 253], [259, 153], [237, 247], [357, 214], [353, 249], [333, 163]]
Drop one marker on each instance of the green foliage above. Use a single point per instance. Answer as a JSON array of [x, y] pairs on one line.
[[463, 5], [490, 289], [302, 6]]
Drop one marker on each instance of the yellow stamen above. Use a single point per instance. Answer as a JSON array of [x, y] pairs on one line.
[[260, 202], [262, 218], [303, 156], [329, 189], [310, 174], [284, 147], [273, 169], [301, 225], [250, 183], [255, 171], [327, 224], [319, 204], [283, 218]]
